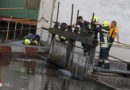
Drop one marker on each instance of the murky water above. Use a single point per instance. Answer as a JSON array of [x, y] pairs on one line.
[[36, 74]]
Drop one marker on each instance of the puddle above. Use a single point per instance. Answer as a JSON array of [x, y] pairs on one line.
[[36, 74]]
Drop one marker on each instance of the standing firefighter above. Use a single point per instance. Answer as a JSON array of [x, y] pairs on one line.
[[114, 32], [104, 39], [84, 29]]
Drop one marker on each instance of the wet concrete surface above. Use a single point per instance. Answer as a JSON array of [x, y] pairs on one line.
[[36, 74]]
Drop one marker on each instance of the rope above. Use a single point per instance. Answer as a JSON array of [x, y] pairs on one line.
[[124, 45]]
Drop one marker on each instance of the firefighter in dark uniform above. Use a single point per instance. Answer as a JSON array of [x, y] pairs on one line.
[[84, 29], [63, 27], [104, 39]]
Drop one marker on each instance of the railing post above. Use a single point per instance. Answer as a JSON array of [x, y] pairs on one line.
[[51, 20], [30, 27], [21, 31], [15, 30], [8, 28]]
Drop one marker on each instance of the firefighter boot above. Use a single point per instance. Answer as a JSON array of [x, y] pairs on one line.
[[100, 63], [86, 53], [106, 64]]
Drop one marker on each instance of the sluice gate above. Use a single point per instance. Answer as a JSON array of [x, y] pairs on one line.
[[69, 56]]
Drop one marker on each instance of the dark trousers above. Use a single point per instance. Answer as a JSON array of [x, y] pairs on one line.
[[111, 40], [103, 53], [96, 35], [86, 47]]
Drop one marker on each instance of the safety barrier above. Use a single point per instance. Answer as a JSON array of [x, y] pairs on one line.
[[22, 50]]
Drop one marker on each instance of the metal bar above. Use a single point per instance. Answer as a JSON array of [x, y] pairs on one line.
[[30, 27], [72, 14], [77, 17], [11, 8], [15, 30], [43, 19], [87, 39], [92, 22], [55, 26], [58, 12], [110, 55], [7, 35], [40, 37], [51, 20], [77, 66], [21, 31], [70, 62]]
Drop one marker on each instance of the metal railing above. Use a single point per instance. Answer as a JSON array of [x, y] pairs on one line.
[[16, 32]]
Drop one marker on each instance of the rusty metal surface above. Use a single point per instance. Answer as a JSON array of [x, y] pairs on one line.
[[88, 39], [112, 70]]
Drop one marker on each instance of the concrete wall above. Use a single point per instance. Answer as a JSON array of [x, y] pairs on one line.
[[45, 12], [106, 10]]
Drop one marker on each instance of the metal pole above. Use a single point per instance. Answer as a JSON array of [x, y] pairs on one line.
[[30, 27], [55, 26], [70, 42], [92, 22], [11, 8], [72, 14], [77, 67], [77, 17], [7, 34], [15, 31], [58, 12], [51, 21], [21, 31]]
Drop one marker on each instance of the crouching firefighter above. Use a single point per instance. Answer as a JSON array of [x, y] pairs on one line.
[[63, 27], [104, 39], [32, 40]]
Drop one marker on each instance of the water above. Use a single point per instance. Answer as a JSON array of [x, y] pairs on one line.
[[36, 74]]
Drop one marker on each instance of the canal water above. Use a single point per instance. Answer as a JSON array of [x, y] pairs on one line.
[[37, 74]]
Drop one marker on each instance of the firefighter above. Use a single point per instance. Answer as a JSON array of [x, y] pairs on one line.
[[83, 32], [85, 27], [95, 20], [32, 40], [114, 32], [104, 39], [63, 27]]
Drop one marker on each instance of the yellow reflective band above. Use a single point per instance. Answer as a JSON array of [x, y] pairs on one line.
[[106, 61], [95, 19], [36, 42], [100, 60], [105, 39], [89, 26], [86, 53], [62, 37], [104, 45], [105, 30]]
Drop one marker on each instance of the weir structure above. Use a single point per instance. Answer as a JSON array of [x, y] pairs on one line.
[[69, 56], [64, 54]]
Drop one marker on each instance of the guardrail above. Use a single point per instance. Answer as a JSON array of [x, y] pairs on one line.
[[15, 33]]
